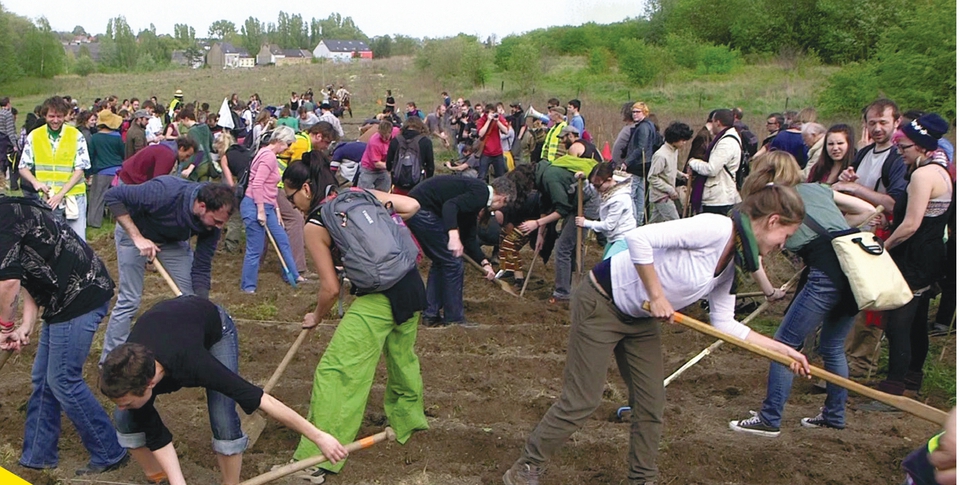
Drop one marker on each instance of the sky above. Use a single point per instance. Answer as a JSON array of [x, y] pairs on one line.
[[415, 18]]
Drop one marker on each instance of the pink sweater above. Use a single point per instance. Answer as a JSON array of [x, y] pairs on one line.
[[264, 175], [376, 150]]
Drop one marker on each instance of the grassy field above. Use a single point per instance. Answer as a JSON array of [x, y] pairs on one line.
[[682, 95]]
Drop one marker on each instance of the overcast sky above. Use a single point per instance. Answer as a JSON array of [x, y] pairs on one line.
[[415, 18]]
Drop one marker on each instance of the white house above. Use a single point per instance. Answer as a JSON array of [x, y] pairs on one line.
[[227, 56], [342, 50]]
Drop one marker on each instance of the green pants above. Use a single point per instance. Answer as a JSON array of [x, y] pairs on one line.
[[342, 382]]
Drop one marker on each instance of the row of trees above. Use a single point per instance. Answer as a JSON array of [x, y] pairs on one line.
[[289, 31]]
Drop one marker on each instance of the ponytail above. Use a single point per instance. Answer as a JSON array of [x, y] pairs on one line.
[[314, 170]]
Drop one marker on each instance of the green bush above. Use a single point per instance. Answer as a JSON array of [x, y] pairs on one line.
[[718, 59], [84, 66], [599, 61], [914, 64], [683, 49], [523, 65], [641, 64]]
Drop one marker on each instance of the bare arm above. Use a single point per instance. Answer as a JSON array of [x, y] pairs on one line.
[[405, 206], [329, 446], [865, 193], [919, 191], [318, 242], [226, 173], [855, 209], [169, 461]]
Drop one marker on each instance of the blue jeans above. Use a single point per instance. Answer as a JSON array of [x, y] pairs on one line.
[[446, 279], [256, 241], [227, 435], [177, 260], [812, 306], [497, 162], [80, 225], [638, 189], [58, 385]]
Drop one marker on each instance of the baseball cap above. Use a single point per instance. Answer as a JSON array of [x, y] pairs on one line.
[[567, 130]]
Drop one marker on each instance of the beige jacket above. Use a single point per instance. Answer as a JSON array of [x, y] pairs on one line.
[[720, 188]]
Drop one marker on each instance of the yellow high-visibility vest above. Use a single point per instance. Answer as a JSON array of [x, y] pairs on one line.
[[550, 149], [55, 168], [294, 152]]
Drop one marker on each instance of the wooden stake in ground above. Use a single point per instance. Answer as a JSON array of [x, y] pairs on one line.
[[506, 287], [386, 435], [525, 282], [579, 230], [253, 424], [902, 403]]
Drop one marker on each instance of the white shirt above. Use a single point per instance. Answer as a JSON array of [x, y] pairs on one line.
[[870, 170], [153, 129], [684, 253], [333, 120]]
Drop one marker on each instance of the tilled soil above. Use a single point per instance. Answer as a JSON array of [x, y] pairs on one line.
[[485, 390]]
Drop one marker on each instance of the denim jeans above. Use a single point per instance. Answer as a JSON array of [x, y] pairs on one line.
[[446, 279], [227, 435], [177, 260], [566, 257], [256, 240], [58, 385], [80, 225], [638, 189], [497, 162], [812, 306]]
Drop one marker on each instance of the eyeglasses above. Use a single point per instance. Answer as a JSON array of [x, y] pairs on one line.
[[904, 147], [637, 111], [291, 196]]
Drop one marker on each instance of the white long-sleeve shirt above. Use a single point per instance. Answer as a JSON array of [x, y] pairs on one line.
[[684, 254], [616, 214]]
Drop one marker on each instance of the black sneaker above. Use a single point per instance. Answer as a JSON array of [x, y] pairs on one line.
[[431, 322], [90, 469], [940, 330], [819, 422], [754, 425]]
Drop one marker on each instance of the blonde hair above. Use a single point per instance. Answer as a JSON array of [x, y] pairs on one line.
[[807, 115], [640, 105], [223, 143], [775, 167]]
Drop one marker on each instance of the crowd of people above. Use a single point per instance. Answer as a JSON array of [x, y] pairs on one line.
[[674, 229]]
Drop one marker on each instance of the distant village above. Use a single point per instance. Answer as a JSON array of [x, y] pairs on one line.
[[225, 55]]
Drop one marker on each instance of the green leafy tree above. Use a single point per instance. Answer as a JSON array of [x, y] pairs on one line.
[[223, 30], [149, 43], [381, 46], [252, 35], [8, 58], [184, 35], [119, 46], [523, 66], [42, 54], [78, 30], [403, 45], [641, 64], [84, 66]]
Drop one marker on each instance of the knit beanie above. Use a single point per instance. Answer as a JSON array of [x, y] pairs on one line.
[[926, 131]]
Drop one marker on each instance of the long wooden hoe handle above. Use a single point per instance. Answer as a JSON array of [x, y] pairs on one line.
[[386, 435], [579, 230], [167, 277], [902, 403], [505, 286], [271, 383]]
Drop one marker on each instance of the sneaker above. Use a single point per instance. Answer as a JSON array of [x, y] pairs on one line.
[[940, 330], [754, 425], [522, 474], [819, 422], [314, 475], [90, 469], [310, 275], [431, 322]]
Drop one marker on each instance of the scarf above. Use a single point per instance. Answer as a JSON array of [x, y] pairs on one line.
[[698, 181], [745, 248]]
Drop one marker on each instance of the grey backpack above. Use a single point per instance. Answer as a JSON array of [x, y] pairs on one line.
[[377, 251], [406, 170]]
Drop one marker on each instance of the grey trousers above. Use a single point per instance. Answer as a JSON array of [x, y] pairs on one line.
[[566, 257], [293, 223], [177, 260], [380, 180], [99, 185], [663, 211], [598, 331], [234, 233]]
